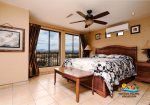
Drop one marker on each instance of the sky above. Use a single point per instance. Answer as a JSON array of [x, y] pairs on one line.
[[42, 44]]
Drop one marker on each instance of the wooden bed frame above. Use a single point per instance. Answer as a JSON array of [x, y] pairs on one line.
[[99, 84]]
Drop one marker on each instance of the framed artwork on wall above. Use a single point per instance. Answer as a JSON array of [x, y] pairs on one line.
[[135, 29], [98, 36], [12, 39]]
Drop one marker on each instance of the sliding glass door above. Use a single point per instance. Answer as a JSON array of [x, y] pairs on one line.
[[72, 46], [48, 48]]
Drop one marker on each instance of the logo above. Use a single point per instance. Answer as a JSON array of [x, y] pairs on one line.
[[129, 90]]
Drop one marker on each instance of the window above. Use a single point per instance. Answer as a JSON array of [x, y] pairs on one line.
[[72, 46], [108, 35], [120, 33], [48, 48]]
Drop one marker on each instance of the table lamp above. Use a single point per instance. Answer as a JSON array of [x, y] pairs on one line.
[[88, 49]]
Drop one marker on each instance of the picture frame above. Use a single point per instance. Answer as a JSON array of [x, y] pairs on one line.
[[135, 29], [98, 36], [12, 39]]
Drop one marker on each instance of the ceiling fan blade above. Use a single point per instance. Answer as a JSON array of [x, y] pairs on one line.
[[101, 15], [69, 15], [100, 22], [81, 14], [77, 21]]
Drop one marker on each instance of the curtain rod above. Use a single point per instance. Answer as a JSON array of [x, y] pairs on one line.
[[44, 26]]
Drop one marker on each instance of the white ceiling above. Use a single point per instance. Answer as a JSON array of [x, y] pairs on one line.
[[55, 11]]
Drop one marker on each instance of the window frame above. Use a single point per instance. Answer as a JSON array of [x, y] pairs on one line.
[[49, 47], [73, 43]]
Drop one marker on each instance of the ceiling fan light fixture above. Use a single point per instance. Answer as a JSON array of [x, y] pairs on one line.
[[89, 22]]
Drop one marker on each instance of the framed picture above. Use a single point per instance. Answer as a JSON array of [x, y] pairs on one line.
[[12, 39], [98, 36], [135, 29]]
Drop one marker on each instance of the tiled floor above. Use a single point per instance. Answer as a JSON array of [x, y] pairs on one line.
[[41, 91]]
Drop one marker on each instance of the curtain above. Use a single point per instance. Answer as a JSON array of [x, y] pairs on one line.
[[84, 44], [33, 38]]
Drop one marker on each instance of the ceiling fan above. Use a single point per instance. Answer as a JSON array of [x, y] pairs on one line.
[[90, 19]]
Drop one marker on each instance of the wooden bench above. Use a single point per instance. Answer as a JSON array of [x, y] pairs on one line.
[[75, 75]]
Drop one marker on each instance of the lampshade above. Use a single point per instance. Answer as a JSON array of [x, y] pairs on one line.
[[89, 22], [87, 48], [147, 45]]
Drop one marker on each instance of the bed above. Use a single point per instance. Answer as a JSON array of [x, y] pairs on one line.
[[101, 86]]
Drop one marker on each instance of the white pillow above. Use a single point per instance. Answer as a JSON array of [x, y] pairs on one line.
[[99, 56], [102, 55], [111, 56]]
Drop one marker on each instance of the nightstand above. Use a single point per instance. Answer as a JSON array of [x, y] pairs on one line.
[[143, 71]]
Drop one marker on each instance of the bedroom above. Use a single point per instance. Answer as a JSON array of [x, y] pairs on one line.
[[14, 65]]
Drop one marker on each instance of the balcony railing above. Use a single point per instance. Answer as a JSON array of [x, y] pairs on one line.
[[45, 59], [72, 55]]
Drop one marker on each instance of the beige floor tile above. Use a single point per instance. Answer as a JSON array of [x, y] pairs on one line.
[[39, 94], [6, 99], [53, 90], [21, 98], [128, 100], [46, 81], [147, 94], [42, 91], [5, 89], [68, 101], [144, 100], [47, 100], [103, 100], [29, 103], [69, 91], [143, 104], [116, 103], [70, 84], [20, 89], [36, 87], [54, 103], [91, 102], [48, 85], [60, 96], [62, 83], [84, 96]]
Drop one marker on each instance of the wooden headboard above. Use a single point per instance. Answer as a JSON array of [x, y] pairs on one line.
[[117, 49]]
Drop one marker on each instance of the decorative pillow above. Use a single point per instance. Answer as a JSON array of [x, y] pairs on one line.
[[99, 56], [124, 57], [119, 56], [111, 56]]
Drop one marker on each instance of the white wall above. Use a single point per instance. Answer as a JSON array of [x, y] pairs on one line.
[[14, 65]]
